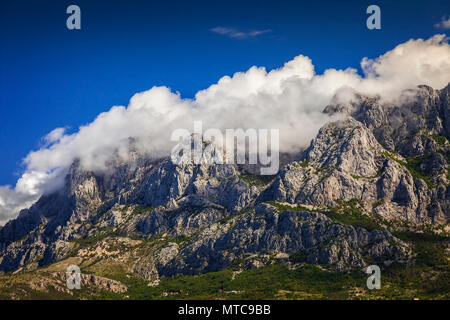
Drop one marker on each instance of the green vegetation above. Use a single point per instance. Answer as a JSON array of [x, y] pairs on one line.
[[429, 247], [428, 278], [283, 207], [302, 164], [430, 275], [256, 180], [271, 282], [413, 166], [350, 212], [88, 241], [440, 140], [279, 282], [231, 216], [347, 212], [276, 281], [377, 203], [298, 257], [181, 239], [142, 210], [324, 168]]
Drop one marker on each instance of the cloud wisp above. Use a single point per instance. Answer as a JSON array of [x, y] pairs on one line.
[[290, 98], [444, 23], [237, 34]]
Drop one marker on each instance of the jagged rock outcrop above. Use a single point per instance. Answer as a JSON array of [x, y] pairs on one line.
[[346, 162], [262, 238], [80, 206], [203, 183], [88, 280], [181, 221], [394, 158]]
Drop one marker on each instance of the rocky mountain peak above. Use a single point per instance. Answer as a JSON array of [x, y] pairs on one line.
[[383, 161]]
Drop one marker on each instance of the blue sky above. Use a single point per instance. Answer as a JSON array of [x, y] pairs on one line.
[[53, 77]]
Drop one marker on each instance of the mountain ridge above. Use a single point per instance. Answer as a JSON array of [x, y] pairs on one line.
[[383, 162]]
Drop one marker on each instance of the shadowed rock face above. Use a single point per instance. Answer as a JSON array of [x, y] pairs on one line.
[[314, 234], [392, 158]]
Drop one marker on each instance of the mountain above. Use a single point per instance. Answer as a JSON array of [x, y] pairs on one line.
[[372, 188]]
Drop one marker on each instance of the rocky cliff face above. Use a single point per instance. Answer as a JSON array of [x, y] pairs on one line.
[[346, 162], [86, 203], [392, 159], [256, 238]]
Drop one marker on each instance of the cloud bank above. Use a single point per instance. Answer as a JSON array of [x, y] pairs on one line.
[[290, 98]]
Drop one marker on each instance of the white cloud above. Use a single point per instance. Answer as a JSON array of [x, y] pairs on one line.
[[290, 98], [444, 23], [54, 136], [11, 201], [234, 33]]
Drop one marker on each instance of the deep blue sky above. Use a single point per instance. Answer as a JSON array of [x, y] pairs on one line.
[[53, 77]]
